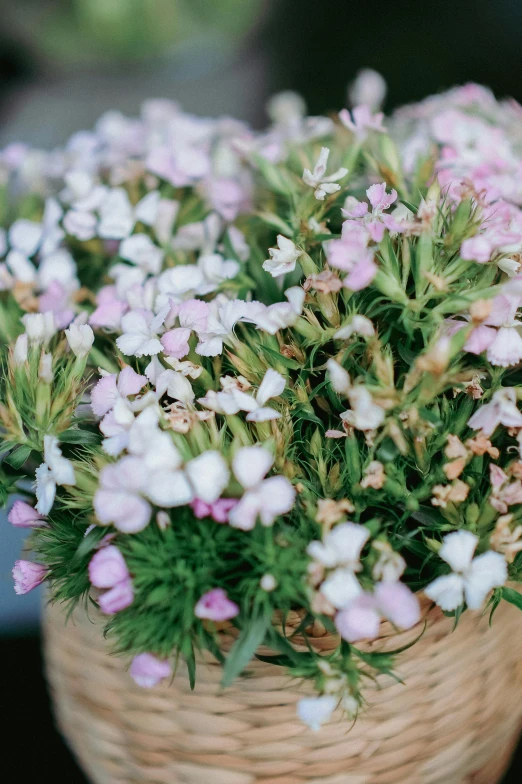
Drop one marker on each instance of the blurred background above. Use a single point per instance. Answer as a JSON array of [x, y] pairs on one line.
[[65, 62]]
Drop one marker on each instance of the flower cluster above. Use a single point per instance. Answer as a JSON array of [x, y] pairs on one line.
[[249, 374]]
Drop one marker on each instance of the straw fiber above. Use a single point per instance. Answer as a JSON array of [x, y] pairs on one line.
[[455, 720]]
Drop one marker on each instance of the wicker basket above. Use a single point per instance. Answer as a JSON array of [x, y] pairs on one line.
[[456, 719]]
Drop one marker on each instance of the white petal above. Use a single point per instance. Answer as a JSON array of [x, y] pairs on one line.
[[487, 571], [339, 377], [348, 540], [277, 496], [244, 514], [457, 550], [209, 475], [265, 414], [251, 464], [340, 588], [447, 591], [45, 489], [272, 385], [169, 489], [315, 711]]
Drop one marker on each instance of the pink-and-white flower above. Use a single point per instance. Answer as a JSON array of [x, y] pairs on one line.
[[501, 410], [322, 183], [264, 499]]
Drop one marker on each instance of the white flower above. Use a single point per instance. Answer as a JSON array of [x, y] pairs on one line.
[[55, 470], [20, 267], [339, 377], [233, 400], [317, 179], [25, 236], [472, 578], [215, 271], [341, 547], [501, 410], [316, 711], [116, 215], [140, 250], [283, 258], [264, 498], [341, 587], [280, 315], [140, 332], [364, 414], [359, 325], [209, 475], [80, 338]]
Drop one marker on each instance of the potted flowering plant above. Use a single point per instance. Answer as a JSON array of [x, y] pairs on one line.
[[267, 385]]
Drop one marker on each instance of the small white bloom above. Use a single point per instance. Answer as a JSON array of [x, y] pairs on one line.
[[359, 325], [472, 578], [317, 179], [45, 368], [20, 267], [140, 250], [364, 413], [25, 236], [339, 377], [316, 711], [80, 339], [140, 332], [55, 470], [341, 587], [341, 547], [283, 258], [209, 475], [116, 215], [268, 582], [501, 410], [264, 498]]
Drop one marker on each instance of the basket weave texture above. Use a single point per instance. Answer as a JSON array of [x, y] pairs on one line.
[[455, 720]]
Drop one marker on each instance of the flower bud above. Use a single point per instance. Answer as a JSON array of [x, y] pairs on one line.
[[28, 575], [80, 339], [20, 349], [268, 582], [147, 670], [40, 327], [45, 369], [23, 515]]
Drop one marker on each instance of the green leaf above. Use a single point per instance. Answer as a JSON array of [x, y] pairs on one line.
[[18, 456], [511, 596], [75, 436], [293, 364], [191, 663], [244, 649]]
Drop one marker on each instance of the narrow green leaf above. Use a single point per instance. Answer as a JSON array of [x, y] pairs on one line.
[[18, 456], [75, 436], [511, 596], [244, 649]]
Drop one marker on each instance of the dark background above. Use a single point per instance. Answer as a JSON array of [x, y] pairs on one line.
[[312, 46]]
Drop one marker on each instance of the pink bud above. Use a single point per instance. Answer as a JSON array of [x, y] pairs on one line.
[[216, 606], [28, 575], [23, 515], [107, 568], [147, 670], [359, 621], [118, 598]]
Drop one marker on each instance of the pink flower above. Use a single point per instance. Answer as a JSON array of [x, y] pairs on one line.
[[377, 221], [109, 309], [24, 516], [360, 620], [111, 388], [216, 606], [175, 342], [363, 121], [56, 299], [107, 568], [228, 197], [478, 248], [117, 598], [398, 604], [501, 410], [361, 275], [218, 511], [28, 575], [147, 670]]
